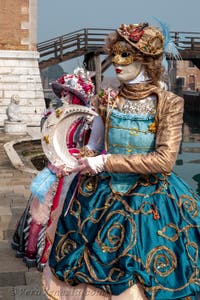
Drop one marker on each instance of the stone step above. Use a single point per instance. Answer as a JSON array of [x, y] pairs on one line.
[[12, 271], [13, 200], [18, 189], [17, 282], [23, 292], [7, 174], [7, 293], [14, 274], [9, 217], [7, 232], [4, 244]]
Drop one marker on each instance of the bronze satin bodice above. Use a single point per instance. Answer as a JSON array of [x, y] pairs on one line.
[[169, 119]]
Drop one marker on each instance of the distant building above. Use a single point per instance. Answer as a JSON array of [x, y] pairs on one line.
[[19, 68], [188, 76]]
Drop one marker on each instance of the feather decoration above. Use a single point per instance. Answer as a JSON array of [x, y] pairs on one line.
[[165, 63], [41, 184], [182, 38], [170, 48]]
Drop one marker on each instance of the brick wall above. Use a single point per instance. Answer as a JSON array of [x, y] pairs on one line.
[[17, 25]]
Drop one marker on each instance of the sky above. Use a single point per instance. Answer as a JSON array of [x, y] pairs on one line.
[[59, 17]]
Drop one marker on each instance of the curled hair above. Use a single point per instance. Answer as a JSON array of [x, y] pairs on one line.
[[111, 39], [152, 64], [153, 68]]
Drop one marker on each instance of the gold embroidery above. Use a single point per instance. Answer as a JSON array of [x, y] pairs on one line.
[[163, 263], [58, 112], [192, 250], [188, 204], [136, 130], [88, 185], [113, 275], [130, 147], [161, 260], [46, 139], [65, 246], [152, 127], [173, 228]]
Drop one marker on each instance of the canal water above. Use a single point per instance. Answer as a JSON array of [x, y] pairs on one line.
[[188, 162]]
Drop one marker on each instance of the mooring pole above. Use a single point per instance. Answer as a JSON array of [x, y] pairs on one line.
[[97, 61]]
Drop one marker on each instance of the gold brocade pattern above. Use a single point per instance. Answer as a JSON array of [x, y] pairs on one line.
[[160, 260], [163, 261], [89, 184]]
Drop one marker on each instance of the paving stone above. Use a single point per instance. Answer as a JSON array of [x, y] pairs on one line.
[[7, 222], [4, 188], [9, 263], [7, 293], [4, 244], [12, 278], [18, 209], [7, 175], [8, 230], [5, 201], [5, 211], [8, 233], [33, 277], [17, 282], [18, 188], [29, 293]]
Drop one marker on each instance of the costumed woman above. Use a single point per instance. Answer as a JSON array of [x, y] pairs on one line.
[[37, 224], [132, 230]]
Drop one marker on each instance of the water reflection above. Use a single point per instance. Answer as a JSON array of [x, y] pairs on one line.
[[188, 161], [191, 127]]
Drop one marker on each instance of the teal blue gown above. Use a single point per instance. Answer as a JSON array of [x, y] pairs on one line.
[[127, 228]]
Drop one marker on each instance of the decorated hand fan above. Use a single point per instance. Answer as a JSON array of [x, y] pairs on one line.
[[55, 130]]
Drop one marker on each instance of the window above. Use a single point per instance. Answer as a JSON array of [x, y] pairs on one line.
[[191, 64], [192, 82], [180, 81]]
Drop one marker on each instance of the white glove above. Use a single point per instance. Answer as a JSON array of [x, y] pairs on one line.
[[58, 171], [91, 165]]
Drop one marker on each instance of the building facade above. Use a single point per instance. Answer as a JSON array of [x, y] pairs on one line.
[[19, 68], [188, 76]]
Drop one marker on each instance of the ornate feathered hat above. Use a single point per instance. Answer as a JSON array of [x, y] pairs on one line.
[[147, 39], [79, 83]]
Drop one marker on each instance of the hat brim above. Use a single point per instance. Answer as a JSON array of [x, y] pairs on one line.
[[135, 45], [58, 88]]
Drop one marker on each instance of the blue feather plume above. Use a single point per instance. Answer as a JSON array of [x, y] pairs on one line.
[[169, 46], [41, 184]]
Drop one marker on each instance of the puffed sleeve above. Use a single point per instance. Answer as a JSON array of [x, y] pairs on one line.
[[168, 138], [95, 144], [96, 140]]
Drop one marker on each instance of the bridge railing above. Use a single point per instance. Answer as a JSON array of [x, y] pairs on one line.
[[87, 40], [84, 39], [186, 40]]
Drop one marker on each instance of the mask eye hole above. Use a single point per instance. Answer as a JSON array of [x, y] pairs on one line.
[[125, 54]]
